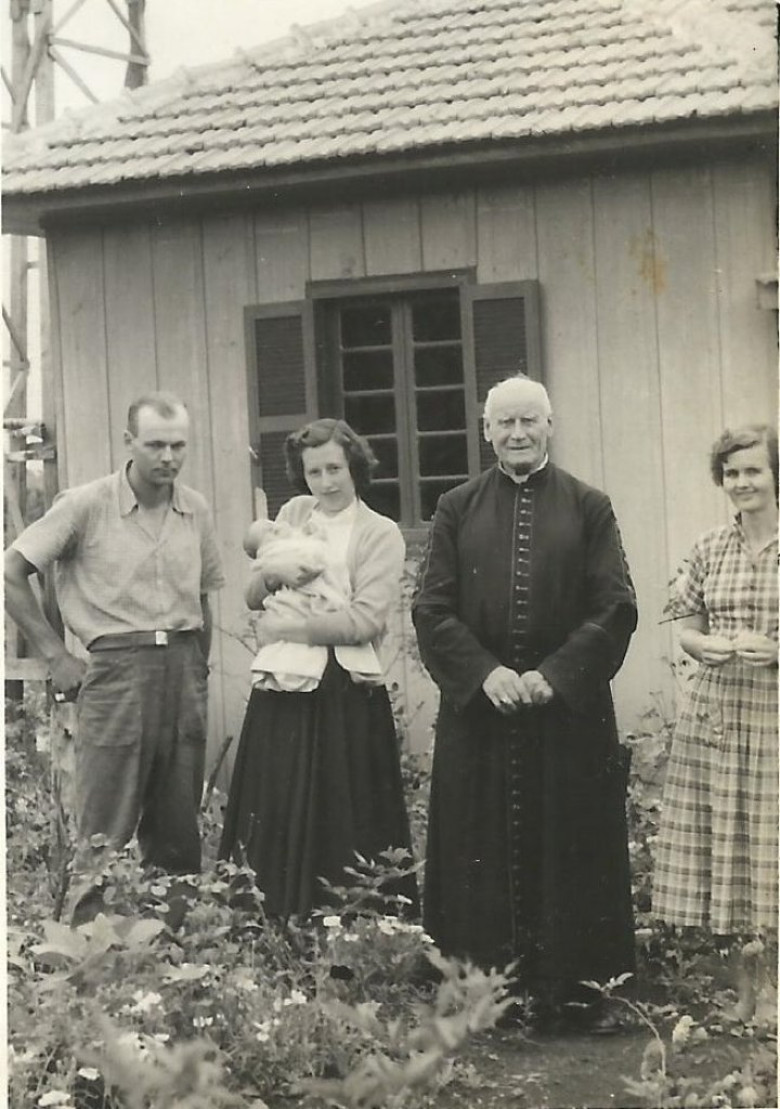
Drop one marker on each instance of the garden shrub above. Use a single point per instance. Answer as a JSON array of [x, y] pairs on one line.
[[183, 994]]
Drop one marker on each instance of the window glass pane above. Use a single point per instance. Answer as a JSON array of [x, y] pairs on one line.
[[438, 365], [441, 410], [386, 451], [443, 454], [368, 370], [436, 318], [371, 414], [384, 497], [430, 491], [365, 326]]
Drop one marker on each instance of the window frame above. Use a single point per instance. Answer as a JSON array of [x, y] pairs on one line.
[[327, 297], [484, 361]]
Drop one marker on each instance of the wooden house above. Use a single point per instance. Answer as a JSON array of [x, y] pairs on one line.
[[380, 216]]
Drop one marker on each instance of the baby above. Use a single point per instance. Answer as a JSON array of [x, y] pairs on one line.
[[298, 667]]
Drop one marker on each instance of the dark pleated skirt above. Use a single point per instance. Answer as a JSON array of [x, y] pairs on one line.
[[317, 777]]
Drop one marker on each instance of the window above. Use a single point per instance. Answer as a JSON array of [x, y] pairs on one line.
[[406, 361], [401, 384]]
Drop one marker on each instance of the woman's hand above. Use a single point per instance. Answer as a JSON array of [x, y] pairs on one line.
[[714, 650], [756, 649], [272, 628], [279, 570]]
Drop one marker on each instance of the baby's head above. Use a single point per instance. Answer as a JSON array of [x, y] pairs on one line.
[[257, 533]]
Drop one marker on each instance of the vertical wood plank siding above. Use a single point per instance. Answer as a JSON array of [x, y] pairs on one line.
[[130, 325], [229, 284], [336, 243], [564, 220], [651, 340], [506, 234], [449, 231], [691, 408], [745, 246], [630, 407], [281, 255], [78, 269], [392, 236]]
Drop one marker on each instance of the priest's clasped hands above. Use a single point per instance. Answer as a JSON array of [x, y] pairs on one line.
[[507, 690]]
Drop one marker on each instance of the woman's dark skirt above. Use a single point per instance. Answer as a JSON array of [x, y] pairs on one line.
[[317, 777]]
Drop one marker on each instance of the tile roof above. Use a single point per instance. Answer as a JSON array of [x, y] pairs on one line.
[[417, 76]]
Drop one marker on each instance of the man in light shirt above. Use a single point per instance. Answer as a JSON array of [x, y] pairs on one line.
[[135, 557]]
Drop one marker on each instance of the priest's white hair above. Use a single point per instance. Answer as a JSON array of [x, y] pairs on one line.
[[517, 383]]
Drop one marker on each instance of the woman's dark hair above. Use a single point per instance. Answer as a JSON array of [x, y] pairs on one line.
[[739, 439], [360, 458]]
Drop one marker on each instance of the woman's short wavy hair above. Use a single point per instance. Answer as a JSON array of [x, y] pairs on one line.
[[360, 458], [739, 439]]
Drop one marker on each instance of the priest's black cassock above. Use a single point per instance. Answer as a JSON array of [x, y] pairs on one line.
[[527, 842]]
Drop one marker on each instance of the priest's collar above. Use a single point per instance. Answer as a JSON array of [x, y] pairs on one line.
[[521, 479]]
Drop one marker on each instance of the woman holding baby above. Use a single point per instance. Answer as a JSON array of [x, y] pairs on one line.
[[716, 859], [317, 773]]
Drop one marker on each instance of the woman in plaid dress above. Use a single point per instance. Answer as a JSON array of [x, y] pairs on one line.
[[717, 855]]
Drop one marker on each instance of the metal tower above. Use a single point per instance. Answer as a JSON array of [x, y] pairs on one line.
[[40, 47]]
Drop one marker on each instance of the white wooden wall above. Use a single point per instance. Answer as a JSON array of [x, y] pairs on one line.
[[652, 342]]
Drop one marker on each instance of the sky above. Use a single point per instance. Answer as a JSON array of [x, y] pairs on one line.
[[178, 33]]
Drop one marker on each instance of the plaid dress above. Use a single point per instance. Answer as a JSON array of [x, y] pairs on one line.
[[717, 852]]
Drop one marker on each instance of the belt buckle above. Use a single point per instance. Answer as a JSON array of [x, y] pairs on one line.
[[161, 639]]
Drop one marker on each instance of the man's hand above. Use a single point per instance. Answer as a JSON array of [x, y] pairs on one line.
[[502, 688], [66, 673], [755, 649], [536, 690], [507, 690]]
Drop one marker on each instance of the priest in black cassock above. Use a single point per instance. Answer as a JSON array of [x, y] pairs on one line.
[[524, 612]]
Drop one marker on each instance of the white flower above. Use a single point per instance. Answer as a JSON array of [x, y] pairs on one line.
[[90, 1073], [682, 1030], [202, 1022], [245, 982], [754, 947], [26, 1056], [133, 1040], [54, 1097], [332, 921], [297, 997], [144, 1002], [263, 1033], [388, 925], [161, 1037]]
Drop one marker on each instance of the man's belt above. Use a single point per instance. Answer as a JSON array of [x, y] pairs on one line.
[[160, 637]]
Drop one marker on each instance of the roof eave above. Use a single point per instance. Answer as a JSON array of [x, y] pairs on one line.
[[607, 150]]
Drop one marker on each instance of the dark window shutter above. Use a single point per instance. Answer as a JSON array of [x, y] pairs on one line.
[[501, 333], [282, 388]]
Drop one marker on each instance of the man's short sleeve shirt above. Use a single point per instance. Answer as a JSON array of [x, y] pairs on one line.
[[113, 574]]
